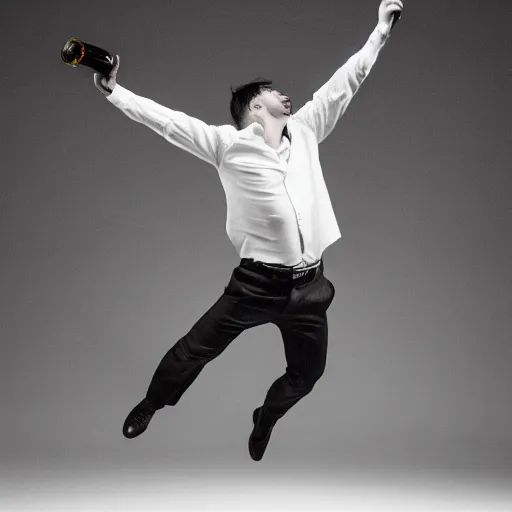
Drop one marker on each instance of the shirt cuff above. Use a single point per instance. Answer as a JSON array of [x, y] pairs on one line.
[[383, 29], [119, 95], [378, 38]]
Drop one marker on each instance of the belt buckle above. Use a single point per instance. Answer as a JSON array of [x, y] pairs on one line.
[[298, 275]]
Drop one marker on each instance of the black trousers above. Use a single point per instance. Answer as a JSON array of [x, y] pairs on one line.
[[256, 295]]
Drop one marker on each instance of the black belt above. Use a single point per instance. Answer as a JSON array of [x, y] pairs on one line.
[[283, 271]]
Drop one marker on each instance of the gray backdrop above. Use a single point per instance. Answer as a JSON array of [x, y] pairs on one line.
[[113, 241]]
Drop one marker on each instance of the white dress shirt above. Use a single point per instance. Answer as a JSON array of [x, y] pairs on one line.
[[278, 207]]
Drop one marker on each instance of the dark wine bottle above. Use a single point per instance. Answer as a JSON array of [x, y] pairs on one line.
[[76, 52], [396, 16]]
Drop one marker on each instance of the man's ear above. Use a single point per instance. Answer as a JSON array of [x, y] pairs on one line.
[[249, 116]]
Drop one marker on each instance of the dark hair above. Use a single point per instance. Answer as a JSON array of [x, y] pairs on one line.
[[242, 96]]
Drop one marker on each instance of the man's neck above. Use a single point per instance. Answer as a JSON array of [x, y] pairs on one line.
[[274, 133]]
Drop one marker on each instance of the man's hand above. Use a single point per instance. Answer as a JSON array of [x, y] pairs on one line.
[[106, 84], [386, 10]]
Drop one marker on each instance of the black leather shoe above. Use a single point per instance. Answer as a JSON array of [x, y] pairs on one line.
[[138, 419], [259, 438]]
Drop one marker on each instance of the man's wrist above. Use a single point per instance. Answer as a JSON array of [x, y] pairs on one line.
[[384, 28]]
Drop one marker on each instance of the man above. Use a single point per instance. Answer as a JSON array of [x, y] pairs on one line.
[[280, 220]]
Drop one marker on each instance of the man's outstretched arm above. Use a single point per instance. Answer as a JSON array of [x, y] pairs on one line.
[[182, 130], [330, 102]]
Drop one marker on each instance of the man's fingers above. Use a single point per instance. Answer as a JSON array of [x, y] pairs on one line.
[[100, 81], [116, 67], [394, 8]]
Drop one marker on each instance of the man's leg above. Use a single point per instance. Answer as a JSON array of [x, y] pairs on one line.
[[304, 329], [206, 340], [245, 303]]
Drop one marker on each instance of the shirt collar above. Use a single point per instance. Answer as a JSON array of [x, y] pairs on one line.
[[255, 129]]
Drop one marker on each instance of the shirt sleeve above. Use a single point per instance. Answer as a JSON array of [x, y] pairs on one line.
[[184, 131], [330, 102]]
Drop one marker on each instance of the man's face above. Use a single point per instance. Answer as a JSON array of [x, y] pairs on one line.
[[272, 101]]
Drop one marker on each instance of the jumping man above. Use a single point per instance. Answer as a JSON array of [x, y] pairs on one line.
[[279, 219]]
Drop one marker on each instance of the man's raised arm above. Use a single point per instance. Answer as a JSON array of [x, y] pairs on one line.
[[330, 102], [182, 130]]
